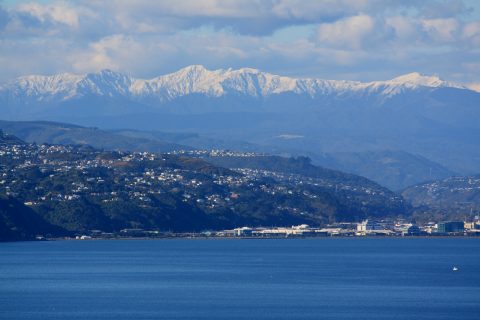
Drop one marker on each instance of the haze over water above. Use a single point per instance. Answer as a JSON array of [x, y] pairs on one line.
[[241, 279]]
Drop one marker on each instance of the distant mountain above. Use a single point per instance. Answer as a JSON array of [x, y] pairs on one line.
[[395, 170], [8, 139], [68, 134], [454, 197], [418, 114], [193, 140], [196, 80], [347, 188]]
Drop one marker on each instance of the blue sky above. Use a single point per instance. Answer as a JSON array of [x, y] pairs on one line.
[[343, 39]]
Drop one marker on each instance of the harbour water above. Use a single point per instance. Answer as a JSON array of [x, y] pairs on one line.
[[334, 278]]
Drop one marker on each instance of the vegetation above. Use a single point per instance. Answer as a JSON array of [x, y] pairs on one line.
[[18, 222], [80, 188], [455, 198]]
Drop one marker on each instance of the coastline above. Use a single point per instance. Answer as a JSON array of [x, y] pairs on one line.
[[213, 238]]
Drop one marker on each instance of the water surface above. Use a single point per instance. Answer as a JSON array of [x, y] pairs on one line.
[[340, 278]]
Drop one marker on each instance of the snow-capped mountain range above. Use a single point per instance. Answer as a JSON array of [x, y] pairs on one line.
[[422, 115], [198, 80]]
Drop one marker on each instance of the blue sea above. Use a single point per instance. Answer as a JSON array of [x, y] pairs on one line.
[[328, 278]]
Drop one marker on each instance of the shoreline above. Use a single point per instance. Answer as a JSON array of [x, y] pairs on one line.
[[213, 238]]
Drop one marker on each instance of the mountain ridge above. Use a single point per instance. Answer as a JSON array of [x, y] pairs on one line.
[[453, 198], [196, 79], [393, 169], [422, 115]]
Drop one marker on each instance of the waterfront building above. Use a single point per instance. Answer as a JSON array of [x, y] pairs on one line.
[[472, 225], [369, 225], [243, 232], [372, 228], [132, 232], [413, 230], [450, 226]]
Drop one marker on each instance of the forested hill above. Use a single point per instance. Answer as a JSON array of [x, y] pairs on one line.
[[7, 140], [348, 188], [18, 222], [70, 134], [82, 188], [292, 165], [393, 169], [454, 197]]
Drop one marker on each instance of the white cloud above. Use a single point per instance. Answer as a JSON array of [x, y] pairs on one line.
[[190, 8], [361, 32], [346, 33], [406, 28], [442, 30], [58, 13], [100, 54], [471, 33], [445, 9], [257, 17], [122, 53], [352, 38]]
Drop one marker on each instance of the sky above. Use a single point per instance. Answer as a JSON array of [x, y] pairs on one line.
[[362, 40]]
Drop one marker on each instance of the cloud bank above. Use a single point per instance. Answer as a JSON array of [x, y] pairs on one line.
[[350, 39]]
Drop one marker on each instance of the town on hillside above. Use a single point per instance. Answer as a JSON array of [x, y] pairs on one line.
[[92, 193]]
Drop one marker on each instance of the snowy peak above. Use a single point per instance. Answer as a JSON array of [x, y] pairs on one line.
[[416, 79], [196, 79], [410, 81], [193, 69], [248, 70], [106, 83], [190, 73], [60, 86], [44, 84]]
